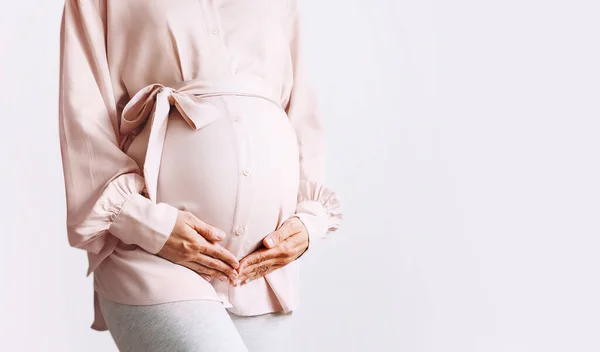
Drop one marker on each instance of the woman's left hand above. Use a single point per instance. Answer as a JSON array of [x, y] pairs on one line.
[[281, 247]]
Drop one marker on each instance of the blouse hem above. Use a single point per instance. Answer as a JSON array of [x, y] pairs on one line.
[[99, 323]]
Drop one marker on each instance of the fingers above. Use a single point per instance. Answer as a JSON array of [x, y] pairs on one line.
[[218, 252], [289, 227], [260, 255], [218, 265], [212, 234], [264, 260], [205, 271], [207, 231], [255, 271]]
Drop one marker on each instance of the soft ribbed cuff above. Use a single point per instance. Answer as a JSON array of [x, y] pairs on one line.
[[144, 223]]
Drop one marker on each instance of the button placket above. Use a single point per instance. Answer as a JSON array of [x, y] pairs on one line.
[[244, 194], [211, 18], [243, 199]]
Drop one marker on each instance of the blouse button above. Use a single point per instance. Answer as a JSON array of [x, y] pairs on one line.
[[215, 31], [239, 231], [246, 172]]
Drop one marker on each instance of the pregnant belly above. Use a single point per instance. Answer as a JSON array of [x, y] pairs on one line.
[[240, 173]]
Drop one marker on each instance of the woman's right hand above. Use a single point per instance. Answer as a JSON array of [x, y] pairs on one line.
[[192, 243]]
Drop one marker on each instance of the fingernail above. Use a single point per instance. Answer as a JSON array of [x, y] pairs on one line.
[[207, 278], [270, 241], [223, 278], [245, 281], [220, 235]]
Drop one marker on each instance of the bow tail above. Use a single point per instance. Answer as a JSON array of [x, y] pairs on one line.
[[197, 113], [156, 141]]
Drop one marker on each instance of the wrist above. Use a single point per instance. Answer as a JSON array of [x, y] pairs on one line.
[[144, 223]]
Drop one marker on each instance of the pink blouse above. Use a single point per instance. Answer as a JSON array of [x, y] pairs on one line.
[[191, 105]]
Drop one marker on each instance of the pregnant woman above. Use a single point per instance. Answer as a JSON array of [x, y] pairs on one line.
[[194, 167]]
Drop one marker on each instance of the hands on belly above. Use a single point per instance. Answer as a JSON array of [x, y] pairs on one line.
[[281, 247], [192, 243]]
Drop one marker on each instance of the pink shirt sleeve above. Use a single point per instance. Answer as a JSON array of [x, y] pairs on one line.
[[318, 207], [103, 184]]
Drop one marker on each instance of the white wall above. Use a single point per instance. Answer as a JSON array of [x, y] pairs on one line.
[[463, 140]]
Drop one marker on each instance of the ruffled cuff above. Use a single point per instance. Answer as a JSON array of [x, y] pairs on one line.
[[128, 215], [139, 221], [319, 209]]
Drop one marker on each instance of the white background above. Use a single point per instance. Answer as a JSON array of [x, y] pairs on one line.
[[464, 140]]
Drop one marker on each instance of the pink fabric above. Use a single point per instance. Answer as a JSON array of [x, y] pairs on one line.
[[201, 106]]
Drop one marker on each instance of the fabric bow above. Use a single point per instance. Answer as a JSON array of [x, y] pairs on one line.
[[153, 104]]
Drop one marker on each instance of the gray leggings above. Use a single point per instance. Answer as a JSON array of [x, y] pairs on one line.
[[194, 326]]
